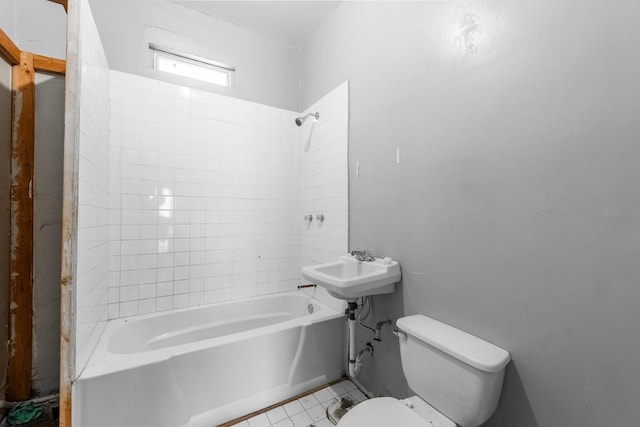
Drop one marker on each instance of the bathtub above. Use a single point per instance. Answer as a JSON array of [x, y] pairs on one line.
[[206, 365]]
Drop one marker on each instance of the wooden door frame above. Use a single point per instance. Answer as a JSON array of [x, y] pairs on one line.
[[24, 66]]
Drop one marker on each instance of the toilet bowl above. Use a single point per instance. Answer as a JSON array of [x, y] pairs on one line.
[[390, 412], [458, 373]]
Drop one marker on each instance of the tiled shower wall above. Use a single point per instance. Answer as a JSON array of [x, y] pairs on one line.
[[187, 197], [324, 181], [204, 198], [93, 191]]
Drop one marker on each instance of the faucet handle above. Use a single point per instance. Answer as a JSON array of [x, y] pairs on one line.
[[363, 254]]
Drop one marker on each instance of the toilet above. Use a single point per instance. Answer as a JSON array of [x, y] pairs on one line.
[[457, 378]]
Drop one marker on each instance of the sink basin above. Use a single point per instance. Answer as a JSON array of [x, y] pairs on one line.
[[349, 279]]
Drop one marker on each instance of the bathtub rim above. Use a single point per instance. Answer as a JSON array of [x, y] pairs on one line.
[[102, 362]]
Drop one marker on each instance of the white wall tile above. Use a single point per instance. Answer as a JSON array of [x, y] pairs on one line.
[[94, 232], [324, 177], [209, 205]]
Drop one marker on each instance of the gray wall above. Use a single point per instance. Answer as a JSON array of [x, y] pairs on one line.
[[5, 156], [37, 26], [8, 17], [41, 27], [267, 70], [47, 231], [515, 210]]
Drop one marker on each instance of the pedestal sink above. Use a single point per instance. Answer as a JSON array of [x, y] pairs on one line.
[[349, 279]]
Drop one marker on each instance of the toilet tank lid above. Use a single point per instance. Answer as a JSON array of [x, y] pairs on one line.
[[459, 344]]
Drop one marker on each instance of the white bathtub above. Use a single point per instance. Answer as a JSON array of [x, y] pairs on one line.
[[207, 365]]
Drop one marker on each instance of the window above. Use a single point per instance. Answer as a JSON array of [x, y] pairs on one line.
[[192, 67]]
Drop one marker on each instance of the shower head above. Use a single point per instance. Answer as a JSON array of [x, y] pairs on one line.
[[300, 120]]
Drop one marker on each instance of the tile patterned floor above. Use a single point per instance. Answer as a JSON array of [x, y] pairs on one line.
[[308, 410]]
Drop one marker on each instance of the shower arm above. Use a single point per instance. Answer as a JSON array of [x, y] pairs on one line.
[[300, 120]]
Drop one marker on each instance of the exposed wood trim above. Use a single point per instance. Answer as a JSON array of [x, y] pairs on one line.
[[8, 50], [62, 2], [21, 263], [49, 65], [69, 216]]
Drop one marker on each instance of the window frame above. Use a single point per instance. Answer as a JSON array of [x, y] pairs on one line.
[[205, 63]]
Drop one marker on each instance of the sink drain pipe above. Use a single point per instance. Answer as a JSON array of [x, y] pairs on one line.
[[367, 349], [351, 322]]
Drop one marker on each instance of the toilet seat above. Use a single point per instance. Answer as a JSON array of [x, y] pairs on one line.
[[382, 412]]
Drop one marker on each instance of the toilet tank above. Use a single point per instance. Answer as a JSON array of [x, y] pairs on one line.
[[457, 373]]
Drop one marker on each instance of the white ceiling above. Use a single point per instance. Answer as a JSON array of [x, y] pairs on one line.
[[291, 21]]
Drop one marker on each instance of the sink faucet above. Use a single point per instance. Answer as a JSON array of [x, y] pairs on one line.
[[363, 255]]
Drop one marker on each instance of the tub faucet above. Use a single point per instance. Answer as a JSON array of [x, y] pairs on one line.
[[363, 255]]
